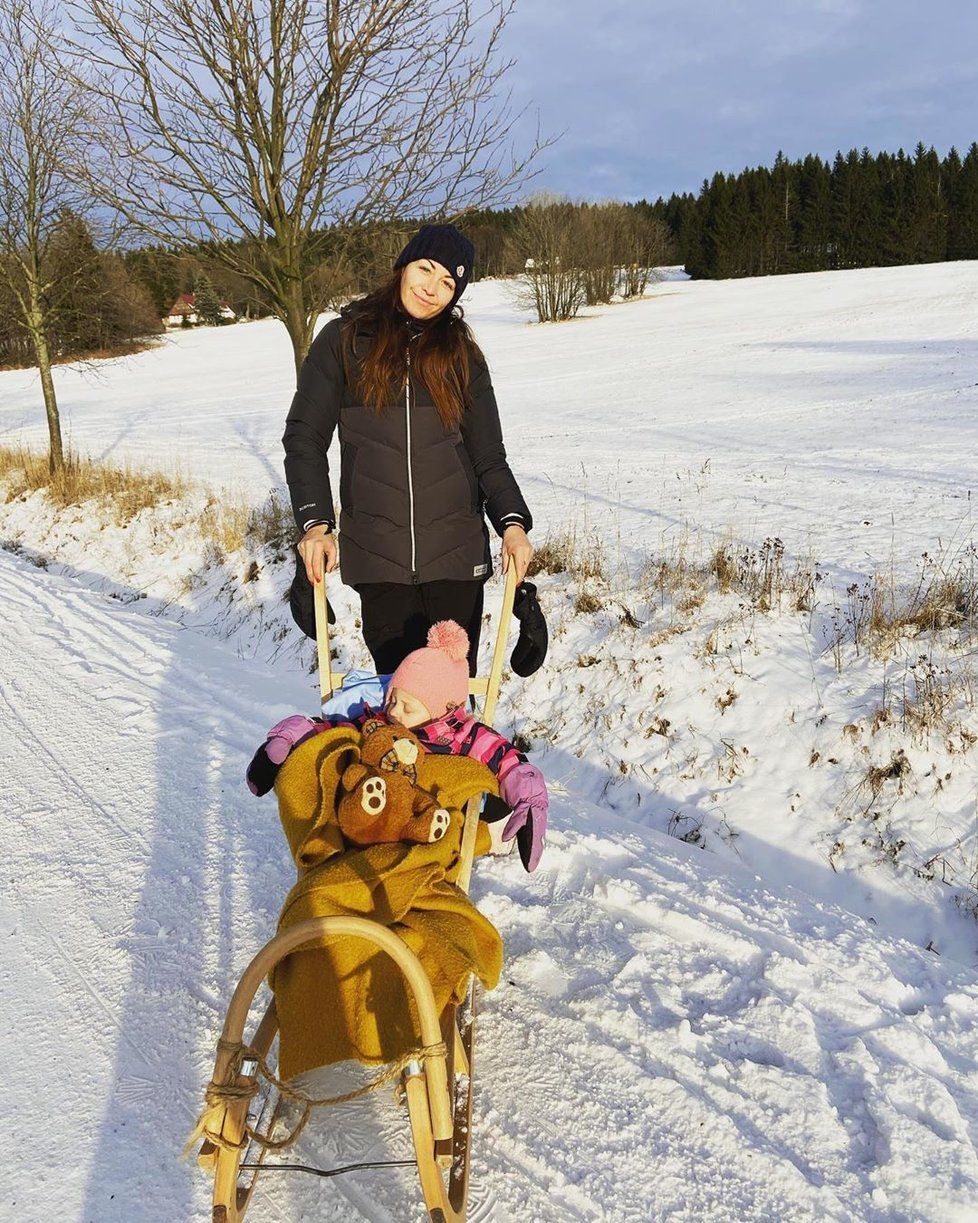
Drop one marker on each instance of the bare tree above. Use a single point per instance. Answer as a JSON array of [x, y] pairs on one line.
[[620, 246], [545, 242], [47, 129], [645, 246], [576, 254], [279, 129], [599, 232]]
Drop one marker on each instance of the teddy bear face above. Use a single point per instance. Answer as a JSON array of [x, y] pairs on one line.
[[392, 749]]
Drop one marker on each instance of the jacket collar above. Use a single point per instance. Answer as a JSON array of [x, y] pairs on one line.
[[350, 313]]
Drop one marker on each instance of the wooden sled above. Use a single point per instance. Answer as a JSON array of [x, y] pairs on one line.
[[436, 1084]]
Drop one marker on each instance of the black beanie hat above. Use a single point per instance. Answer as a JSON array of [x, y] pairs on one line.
[[445, 245]]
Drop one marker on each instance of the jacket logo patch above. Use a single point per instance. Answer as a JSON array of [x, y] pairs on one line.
[[480, 571]]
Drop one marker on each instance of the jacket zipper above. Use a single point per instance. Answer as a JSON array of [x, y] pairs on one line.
[[407, 405]]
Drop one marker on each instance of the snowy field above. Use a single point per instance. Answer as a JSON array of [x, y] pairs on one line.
[[775, 1020], [838, 412]]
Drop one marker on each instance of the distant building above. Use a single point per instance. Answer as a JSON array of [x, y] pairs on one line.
[[185, 307], [182, 312]]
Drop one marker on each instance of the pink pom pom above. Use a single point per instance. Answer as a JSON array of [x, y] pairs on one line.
[[451, 637]]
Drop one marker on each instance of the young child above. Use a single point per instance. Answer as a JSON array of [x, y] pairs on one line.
[[427, 694]]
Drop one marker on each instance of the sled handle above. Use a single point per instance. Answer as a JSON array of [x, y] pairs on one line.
[[283, 944], [329, 680], [499, 652], [471, 827]]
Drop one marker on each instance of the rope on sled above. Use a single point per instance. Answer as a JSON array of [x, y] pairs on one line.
[[217, 1096]]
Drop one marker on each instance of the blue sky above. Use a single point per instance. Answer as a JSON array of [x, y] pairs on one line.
[[654, 95]]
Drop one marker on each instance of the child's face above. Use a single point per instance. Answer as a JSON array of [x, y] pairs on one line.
[[406, 710]]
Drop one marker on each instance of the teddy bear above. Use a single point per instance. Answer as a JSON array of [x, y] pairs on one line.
[[380, 800]]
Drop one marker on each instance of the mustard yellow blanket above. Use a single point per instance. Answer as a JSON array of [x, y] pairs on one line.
[[343, 999]]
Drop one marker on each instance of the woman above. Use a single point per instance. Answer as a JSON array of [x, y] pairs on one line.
[[421, 454]]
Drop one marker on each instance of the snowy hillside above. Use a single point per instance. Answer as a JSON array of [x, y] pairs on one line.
[[775, 1019]]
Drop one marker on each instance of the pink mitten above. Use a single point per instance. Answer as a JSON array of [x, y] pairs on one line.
[[287, 734], [282, 738], [524, 789]]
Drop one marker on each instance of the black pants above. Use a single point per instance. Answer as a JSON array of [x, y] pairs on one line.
[[396, 617]]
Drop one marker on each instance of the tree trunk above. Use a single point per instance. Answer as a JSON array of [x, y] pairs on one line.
[[56, 458], [298, 324]]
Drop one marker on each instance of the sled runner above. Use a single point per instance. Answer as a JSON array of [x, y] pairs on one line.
[[434, 1080]]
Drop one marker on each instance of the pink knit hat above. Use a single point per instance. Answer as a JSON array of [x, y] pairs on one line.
[[438, 673]]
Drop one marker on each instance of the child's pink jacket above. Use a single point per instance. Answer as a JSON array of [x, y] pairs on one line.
[[455, 734]]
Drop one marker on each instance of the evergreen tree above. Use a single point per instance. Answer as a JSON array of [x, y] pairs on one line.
[[718, 234], [896, 233], [868, 238], [843, 208], [951, 177], [206, 301], [779, 227], [813, 238], [94, 304], [76, 300], [962, 240], [689, 229], [158, 270], [927, 208]]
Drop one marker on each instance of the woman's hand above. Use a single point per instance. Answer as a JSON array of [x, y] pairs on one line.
[[518, 549], [318, 548]]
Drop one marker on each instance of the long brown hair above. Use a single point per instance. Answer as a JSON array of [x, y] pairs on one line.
[[441, 356]]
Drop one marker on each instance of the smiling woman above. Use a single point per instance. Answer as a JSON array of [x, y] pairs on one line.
[[422, 462], [426, 288]]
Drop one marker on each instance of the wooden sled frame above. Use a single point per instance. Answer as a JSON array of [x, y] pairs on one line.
[[440, 1112]]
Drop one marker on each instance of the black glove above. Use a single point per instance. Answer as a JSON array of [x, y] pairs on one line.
[[302, 600], [531, 646], [261, 773]]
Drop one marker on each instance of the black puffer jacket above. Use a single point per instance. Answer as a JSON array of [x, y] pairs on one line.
[[412, 493]]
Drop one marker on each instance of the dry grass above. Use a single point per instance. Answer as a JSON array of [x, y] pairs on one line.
[[944, 595], [760, 575], [125, 491], [895, 769], [931, 696], [123, 488], [233, 526], [224, 524], [587, 603], [272, 523], [675, 578], [877, 616], [723, 568], [675, 584], [724, 702], [567, 551]]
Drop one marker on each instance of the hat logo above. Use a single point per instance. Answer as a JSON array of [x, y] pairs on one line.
[[460, 270]]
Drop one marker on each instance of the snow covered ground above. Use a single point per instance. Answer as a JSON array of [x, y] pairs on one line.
[[835, 411], [674, 1037], [782, 1027]]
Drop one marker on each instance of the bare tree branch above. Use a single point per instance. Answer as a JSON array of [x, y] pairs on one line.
[[277, 129]]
